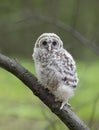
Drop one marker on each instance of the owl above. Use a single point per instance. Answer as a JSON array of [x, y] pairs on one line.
[[55, 67]]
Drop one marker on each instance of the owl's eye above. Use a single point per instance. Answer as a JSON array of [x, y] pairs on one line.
[[54, 43], [44, 43]]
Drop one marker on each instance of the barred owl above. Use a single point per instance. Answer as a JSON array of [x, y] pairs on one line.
[[55, 67]]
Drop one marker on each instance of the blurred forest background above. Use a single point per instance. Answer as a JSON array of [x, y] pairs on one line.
[[77, 23]]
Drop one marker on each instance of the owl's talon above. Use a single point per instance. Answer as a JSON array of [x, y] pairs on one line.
[[65, 104], [68, 104], [62, 105]]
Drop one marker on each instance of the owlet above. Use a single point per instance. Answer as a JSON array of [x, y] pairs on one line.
[[55, 67]]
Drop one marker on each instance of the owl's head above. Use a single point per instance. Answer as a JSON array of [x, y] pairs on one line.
[[49, 41]]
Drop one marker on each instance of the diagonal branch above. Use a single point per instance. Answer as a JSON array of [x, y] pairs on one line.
[[64, 27], [67, 116], [70, 30]]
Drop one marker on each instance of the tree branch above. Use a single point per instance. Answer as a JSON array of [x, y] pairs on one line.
[[64, 27], [70, 30], [67, 116]]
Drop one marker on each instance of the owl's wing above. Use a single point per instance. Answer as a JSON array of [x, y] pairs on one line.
[[67, 68]]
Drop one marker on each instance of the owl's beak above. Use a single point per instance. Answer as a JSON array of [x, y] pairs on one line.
[[49, 47]]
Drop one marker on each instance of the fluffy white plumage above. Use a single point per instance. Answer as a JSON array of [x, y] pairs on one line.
[[55, 67]]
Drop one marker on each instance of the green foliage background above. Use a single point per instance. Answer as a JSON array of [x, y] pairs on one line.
[[20, 109], [21, 22]]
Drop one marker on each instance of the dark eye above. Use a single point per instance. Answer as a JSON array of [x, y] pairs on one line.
[[44, 43], [54, 43]]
